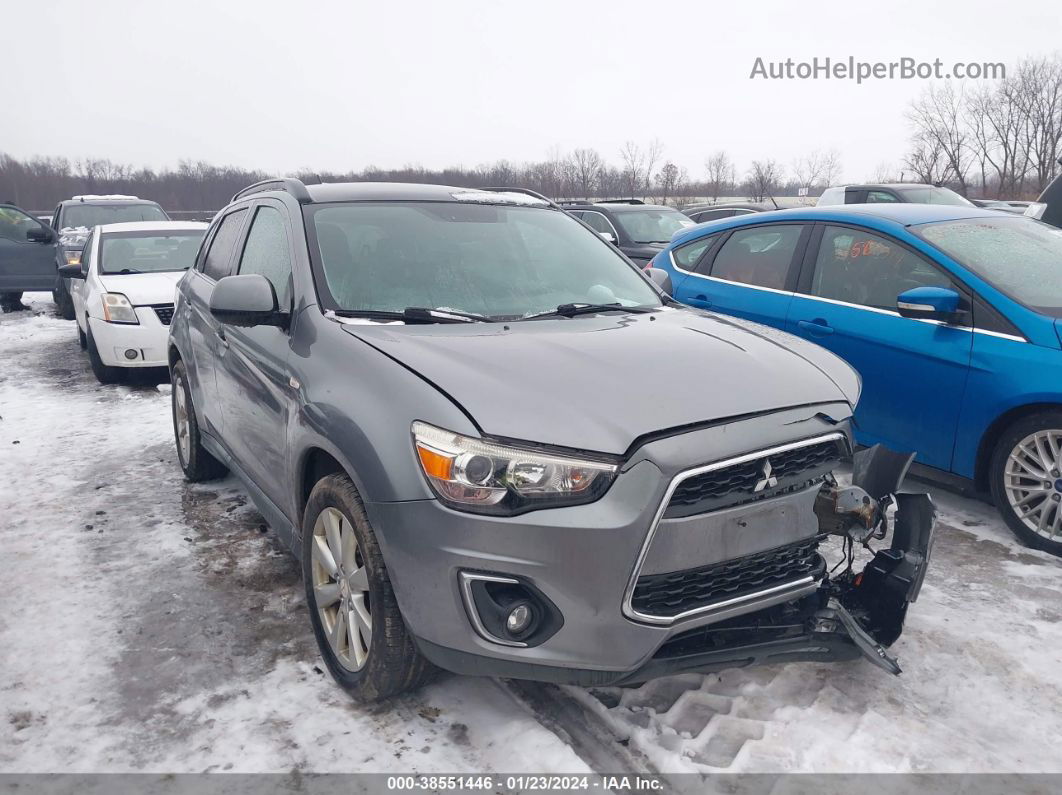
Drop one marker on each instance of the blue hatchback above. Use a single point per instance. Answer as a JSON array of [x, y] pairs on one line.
[[950, 314]]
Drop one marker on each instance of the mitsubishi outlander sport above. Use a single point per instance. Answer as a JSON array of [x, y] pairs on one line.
[[498, 447]]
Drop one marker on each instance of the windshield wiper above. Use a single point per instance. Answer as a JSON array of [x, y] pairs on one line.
[[122, 272], [571, 310], [414, 314]]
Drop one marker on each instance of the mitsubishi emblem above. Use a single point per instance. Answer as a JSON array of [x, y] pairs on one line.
[[769, 481]]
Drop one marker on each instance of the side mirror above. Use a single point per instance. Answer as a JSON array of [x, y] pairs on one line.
[[71, 272], [661, 278], [248, 300], [40, 234], [931, 303], [608, 237]]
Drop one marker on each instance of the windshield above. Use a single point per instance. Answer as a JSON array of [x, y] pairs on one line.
[[148, 252], [499, 261], [929, 195], [651, 225], [1021, 257], [90, 215]]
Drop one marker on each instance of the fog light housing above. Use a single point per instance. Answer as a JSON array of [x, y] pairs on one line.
[[519, 619], [131, 354], [509, 611]]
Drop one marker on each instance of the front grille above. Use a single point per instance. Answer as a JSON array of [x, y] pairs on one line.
[[792, 470], [165, 313], [668, 595]]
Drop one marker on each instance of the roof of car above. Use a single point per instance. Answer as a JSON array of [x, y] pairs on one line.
[[152, 226], [892, 185], [899, 213], [112, 198]]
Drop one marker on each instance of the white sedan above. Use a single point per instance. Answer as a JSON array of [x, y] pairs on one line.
[[123, 292]]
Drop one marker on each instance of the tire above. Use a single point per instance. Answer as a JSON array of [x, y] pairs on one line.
[[82, 340], [1019, 453], [104, 373], [11, 302], [196, 462], [63, 302], [388, 663]]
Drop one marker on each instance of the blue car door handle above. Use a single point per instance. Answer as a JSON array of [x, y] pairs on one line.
[[817, 327], [700, 300]]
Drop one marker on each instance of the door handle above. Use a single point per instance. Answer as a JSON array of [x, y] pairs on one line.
[[817, 327], [701, 301], [220, 334]]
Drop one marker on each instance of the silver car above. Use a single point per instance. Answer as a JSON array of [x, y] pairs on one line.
[[497, 447]]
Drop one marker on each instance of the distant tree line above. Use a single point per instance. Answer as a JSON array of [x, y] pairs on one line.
[[998, 139]]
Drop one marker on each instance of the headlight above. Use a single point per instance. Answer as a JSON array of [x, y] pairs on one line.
[[72, 257], [486, 477], [117, 309]]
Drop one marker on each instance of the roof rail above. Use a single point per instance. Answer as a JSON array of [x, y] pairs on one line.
[[620, 201], [527, 192], [288, 184]]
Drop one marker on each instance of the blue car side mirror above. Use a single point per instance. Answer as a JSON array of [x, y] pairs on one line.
[[931, 303]]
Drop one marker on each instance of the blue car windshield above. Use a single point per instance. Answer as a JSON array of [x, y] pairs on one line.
[[1019, 256], [499, 261]]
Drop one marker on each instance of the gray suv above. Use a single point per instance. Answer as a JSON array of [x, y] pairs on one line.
[[497, 447]]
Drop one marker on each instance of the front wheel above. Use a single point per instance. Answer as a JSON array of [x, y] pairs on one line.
[[11, 302], [104, 373], [63, 302], [359, 628], [1026, 480]]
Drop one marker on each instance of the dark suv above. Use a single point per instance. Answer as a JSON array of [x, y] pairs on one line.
[[74, 218], [638, 229], [1048, 208], [498, 447]]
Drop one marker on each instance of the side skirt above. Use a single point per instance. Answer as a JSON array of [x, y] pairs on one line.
[[274, 517]]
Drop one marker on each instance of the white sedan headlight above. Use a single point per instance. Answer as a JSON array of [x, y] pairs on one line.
[[117, 309], [486, 477]]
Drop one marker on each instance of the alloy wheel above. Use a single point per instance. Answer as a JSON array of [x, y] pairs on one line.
[[1032, 481], [341, 589]]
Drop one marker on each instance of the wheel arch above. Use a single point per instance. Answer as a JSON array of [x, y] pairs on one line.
[[992, 435], [316, 463]]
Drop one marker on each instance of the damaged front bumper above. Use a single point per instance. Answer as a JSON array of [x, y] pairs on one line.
[[850, 615], [843, 615]]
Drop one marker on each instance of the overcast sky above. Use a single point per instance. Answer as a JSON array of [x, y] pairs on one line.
[[343, 85]]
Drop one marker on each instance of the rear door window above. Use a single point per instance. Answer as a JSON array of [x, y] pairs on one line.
[[758, 255], [599, 223], [880, 197], [218, 261]]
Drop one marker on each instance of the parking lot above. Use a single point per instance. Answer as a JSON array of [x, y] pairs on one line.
[[153, 625]]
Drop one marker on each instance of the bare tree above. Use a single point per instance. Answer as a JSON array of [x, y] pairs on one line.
[[721, 173], [668, 179], [763, 179], [928, 161], [940, 128], [586, 166], [1038, 94], [817, 168], [652, 155], [885, 172], [633, 166]]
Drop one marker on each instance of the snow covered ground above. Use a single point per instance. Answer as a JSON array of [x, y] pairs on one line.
[[147, 624]]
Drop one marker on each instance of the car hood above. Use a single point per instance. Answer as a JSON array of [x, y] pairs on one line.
[[144, 288], [600, 382]]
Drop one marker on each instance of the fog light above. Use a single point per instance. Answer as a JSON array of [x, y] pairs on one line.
[[519, 619], [131, 354]]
